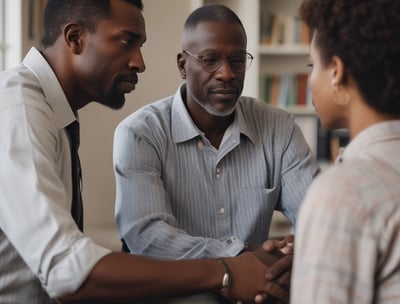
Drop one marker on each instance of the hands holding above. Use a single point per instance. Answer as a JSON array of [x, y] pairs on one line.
[[276, 257], [247, 278]]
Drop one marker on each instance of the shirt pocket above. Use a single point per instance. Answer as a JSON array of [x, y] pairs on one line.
[[253, 210]]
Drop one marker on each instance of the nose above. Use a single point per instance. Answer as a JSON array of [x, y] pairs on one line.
[[136, 61], [224, 71]]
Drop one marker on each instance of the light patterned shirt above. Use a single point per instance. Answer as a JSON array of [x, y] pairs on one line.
[[179, 197], [348, 237]]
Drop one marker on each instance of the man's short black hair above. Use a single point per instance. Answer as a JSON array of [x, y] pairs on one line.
[[86, 12]]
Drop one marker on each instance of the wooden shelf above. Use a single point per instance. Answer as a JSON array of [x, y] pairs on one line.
[[284, 49]]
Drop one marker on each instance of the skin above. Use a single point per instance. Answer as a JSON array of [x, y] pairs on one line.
[[356, 115], [100, 66], [219, 90], [103, 67]]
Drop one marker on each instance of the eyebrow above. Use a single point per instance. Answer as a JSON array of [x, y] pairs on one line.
[[133, 35]]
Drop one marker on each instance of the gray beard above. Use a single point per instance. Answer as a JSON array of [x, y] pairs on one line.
[[212, 111]]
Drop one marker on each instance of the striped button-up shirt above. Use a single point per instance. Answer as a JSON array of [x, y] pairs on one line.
[[179, 197], [347, 241]]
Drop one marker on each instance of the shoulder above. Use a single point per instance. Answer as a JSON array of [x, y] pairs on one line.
[[23, 101], [254, 106], [260, 116], [17, 83], [353, 191], [152, 123], [154, 114]]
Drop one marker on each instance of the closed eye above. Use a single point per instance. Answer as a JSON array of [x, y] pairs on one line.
[[129, 39]]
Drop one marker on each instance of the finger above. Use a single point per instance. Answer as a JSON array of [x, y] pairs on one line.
[[260, 298], [271, 245], [277, 291], [288, 249], [284, 280], [289, 238], [279, 267]]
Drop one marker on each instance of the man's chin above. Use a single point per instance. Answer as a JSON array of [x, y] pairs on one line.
[[114, 103], [219, 112]]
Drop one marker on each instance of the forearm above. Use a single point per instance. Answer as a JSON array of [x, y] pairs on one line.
[[161, 240], [135, 277]]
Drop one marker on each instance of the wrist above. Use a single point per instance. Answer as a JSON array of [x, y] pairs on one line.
[[226, 279]]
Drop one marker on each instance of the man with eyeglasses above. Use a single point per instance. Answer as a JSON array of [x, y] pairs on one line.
[[200, 173]]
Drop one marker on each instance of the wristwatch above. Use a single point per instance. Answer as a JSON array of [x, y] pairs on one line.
[[227, 278]]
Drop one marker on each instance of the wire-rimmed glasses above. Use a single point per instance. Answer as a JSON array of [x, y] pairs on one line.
[[211, 61]]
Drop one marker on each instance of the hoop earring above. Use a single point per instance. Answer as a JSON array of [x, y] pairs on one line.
[[342, 101]]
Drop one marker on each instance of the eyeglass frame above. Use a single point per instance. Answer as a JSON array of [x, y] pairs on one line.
[[199, 58]]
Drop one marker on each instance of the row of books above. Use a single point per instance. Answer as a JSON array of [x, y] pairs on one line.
[[279, 29], [291, 92], [330, 142], [287, 90], [324, 144]]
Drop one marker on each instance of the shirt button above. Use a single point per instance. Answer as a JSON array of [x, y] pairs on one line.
[[200, 144], [218, 173], [221, 210]]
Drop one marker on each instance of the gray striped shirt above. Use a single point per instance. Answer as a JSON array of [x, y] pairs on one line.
[[179, 197]]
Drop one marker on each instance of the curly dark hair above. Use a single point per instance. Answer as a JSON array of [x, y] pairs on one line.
[[365, 34], [87, 12]]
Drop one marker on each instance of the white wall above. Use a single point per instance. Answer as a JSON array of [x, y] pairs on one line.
[[164, 23]]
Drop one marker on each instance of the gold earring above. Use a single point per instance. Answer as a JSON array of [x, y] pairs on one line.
[[340, 102]]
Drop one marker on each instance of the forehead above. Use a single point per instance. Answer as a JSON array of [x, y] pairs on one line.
[[314, 49], [126, 17], [215, 36]]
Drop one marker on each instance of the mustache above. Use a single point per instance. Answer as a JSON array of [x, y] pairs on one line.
[[132, 78], [226, 89]]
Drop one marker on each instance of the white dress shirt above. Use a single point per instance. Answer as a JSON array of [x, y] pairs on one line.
[[42, 253]]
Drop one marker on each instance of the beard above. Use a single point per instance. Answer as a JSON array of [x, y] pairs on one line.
[[213, 111], [114, 99]]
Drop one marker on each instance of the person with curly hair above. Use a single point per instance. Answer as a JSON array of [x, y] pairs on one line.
[[347, 238]]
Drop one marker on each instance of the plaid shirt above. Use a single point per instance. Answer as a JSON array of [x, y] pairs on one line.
[[348, 242]]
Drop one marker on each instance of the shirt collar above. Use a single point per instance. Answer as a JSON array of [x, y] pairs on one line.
[[374, 134], [183, 127], [52, 90]]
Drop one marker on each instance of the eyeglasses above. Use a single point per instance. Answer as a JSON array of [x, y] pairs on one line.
[[211, 61]]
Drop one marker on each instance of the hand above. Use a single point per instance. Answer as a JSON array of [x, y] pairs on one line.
[[282, 268], [248, 279], [279, 256]]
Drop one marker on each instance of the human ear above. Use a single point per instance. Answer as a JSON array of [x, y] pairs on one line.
[[181, 65], [73, 37], [340, 97], [338, 71]]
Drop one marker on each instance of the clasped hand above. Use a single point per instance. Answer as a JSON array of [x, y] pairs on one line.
[[278, 255]]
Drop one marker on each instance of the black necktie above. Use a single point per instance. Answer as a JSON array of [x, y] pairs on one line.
[[77, 206]]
